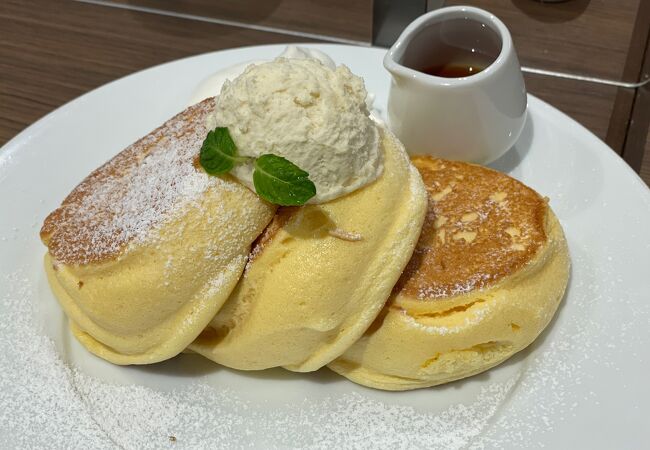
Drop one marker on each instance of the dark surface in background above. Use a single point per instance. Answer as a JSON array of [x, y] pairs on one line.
[[52, 51], [591, 37], [347, 19], [585, 37], [645, 164]]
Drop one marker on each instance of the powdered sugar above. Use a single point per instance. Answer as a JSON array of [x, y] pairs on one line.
[[216, 284], [48, 403], [129, 197], [468, 285], [45, 402]]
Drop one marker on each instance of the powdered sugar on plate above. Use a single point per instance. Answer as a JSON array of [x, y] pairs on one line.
[[51, 404], [48, 403]]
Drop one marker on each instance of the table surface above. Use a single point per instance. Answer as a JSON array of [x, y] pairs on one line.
[[52, 51]]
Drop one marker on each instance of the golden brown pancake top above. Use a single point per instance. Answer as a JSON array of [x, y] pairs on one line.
[[131, 194], [481, 226]]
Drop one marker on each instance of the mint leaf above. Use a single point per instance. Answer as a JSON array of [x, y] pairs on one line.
[[276, 179], [280, 181], [218, 152]]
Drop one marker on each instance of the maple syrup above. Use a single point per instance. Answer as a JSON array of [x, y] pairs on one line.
[[455, 48]]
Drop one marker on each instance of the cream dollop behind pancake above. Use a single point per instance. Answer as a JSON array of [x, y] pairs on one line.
[[487, 275], [143, 253], [320, 274]]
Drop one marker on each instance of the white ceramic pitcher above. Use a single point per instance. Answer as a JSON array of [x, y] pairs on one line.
[[476, 118]]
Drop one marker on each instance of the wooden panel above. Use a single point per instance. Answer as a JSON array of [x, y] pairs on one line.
[[645, 165], [633, 70], [590, 104], [620, 122], [52, 51], [637, 133], [587, 37], [645, 158], [636, 151], [349, 19]]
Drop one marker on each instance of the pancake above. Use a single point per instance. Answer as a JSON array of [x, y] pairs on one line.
[[143, 253], [320, 274], [486, 277]]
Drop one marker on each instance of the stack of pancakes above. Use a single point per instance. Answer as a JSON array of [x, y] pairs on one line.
[[436, 271]]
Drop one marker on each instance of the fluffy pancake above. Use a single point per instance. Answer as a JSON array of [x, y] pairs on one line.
[[145, 250], [320, 274], [486, 277]]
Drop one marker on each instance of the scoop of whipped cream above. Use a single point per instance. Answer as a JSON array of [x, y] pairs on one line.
[[311, 114], [212, 85]]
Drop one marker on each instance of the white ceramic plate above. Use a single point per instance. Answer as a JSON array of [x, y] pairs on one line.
[[582, 384]]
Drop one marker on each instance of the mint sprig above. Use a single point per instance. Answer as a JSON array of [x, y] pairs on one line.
[[276, 179], [280, 181], [218, 152]]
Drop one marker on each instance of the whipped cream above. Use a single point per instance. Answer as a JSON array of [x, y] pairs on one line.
[[309, 113], [211, 86]]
